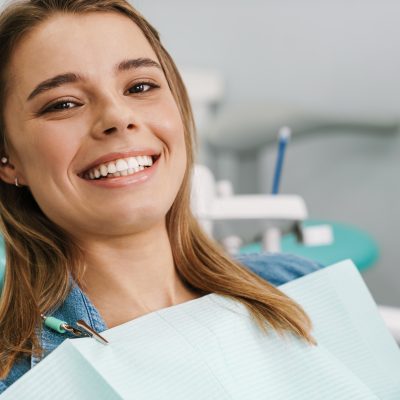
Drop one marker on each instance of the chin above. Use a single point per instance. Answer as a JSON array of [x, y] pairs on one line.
[[132, 221]]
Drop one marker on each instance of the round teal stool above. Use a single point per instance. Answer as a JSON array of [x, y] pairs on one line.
[[349, 242]]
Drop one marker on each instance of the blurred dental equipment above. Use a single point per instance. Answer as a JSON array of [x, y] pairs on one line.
[[215, 201], [312, 236], [283, 138]]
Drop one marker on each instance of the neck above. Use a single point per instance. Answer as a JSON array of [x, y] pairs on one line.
[[129, 276]]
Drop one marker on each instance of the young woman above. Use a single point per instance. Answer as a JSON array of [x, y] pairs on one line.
[[96, 157]]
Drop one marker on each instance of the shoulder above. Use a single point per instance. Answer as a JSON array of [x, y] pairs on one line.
[[278, 269]]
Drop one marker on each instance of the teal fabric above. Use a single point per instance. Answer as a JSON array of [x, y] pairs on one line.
[[350, 242]]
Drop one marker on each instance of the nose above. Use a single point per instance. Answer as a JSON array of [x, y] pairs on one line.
[[114, 115]]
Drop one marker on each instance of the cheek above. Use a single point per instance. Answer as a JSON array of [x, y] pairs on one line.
[[51, 150], [174, 140], [167, 123], [169, 129]]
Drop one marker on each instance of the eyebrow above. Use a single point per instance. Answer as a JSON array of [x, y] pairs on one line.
[[70, 77]]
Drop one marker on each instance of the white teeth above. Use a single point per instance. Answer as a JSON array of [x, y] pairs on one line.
[[112, 169], [121, 165], [132, 163], [103, 170]]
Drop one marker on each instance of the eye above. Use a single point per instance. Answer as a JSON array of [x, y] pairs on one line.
[[142, 87], [60, 106]]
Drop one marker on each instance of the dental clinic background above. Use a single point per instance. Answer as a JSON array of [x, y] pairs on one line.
[[328, 69]]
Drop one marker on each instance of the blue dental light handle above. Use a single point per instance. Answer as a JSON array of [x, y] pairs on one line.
[[284, 137]]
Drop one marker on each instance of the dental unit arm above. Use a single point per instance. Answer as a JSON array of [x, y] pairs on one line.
[[214, 201]]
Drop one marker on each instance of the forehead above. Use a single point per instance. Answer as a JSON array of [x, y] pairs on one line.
[[86, 43]]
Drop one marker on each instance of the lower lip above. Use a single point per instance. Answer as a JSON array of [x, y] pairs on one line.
[[121, 181]]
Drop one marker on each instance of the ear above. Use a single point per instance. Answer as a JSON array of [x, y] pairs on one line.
[[8, 173]]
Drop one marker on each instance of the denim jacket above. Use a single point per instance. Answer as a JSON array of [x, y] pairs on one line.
[[275, 268]]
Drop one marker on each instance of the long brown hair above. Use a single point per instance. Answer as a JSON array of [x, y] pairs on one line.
[[41, 258]]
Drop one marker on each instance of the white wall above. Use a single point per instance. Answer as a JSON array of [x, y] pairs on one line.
[[337, 56]]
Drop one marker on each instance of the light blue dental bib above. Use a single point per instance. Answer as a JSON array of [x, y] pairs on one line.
[[208, 348]]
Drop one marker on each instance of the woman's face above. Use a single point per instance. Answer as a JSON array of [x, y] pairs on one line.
[[87, 102]]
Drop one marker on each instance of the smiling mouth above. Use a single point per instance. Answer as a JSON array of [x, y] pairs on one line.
[[119, 167]]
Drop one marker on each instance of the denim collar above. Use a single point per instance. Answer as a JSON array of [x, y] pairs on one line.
[[75, 307]]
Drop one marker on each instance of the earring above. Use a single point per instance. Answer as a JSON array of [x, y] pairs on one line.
[[4, 160], [16, 182]]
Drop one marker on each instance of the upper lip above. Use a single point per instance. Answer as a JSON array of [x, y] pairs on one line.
[[120, 154]]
